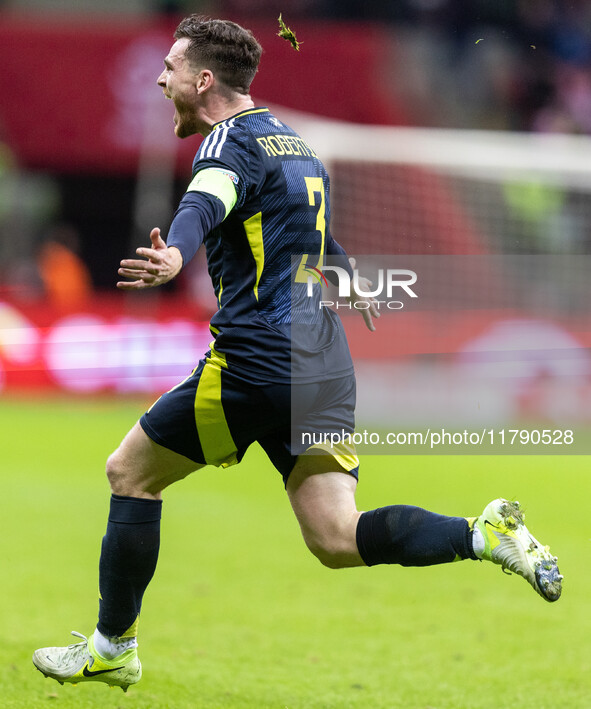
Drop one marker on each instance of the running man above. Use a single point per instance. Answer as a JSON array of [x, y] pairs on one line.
[[259, 196]]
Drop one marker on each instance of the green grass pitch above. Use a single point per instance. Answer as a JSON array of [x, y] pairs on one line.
[[240, 615]]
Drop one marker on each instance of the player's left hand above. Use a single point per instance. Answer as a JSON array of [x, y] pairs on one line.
[[369, 309], [159, 265]]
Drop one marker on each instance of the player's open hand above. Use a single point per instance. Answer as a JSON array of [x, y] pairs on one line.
[[159, 265], [369, 308]]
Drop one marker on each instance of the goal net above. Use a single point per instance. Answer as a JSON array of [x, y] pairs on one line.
[[425, 191], [498, 228]]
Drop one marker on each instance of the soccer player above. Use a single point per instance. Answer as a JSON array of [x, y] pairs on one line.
[[258, 197]]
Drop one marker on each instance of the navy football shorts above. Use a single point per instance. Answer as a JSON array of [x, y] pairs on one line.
[[213, 416]]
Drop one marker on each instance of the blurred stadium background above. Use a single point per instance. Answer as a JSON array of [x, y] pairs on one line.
[[458, 136], [451, 128]]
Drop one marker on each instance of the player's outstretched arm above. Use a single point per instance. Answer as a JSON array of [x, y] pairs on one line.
[[370, 310], [160, 264]]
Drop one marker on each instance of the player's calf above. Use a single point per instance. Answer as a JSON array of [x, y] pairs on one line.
[[412, 536]]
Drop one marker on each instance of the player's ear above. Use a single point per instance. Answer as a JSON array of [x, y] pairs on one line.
[[204, 80]]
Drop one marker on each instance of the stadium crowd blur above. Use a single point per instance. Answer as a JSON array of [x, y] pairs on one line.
[[519, 65], [534, 56]]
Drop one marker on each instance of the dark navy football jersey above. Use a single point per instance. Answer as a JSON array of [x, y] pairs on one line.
[[281, 216]]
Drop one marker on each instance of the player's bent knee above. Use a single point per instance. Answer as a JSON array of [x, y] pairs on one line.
[[115, 473], [122, 476], [328, 554], [334, 542], [331, 560]]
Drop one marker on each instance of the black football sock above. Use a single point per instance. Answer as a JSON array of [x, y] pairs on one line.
[[128, 560], [411, 536]]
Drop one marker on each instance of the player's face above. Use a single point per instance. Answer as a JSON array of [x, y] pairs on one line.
[[179, 83]]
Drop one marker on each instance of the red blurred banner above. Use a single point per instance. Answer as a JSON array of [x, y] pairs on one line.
[[149, 344], [118, 344], [82, 95]]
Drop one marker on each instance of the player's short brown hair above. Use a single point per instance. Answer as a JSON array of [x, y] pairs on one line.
[[227, 49]]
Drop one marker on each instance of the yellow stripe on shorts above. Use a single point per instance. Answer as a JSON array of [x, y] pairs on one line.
[[216, 440], [345, 456]]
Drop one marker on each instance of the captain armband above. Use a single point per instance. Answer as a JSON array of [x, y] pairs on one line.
[[218, 182]]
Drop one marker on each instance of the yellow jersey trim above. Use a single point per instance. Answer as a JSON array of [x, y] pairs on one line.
[[221, 288], [254, 233], [242, 113]]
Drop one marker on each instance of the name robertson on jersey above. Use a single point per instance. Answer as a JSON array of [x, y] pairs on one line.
[[279, 145]]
